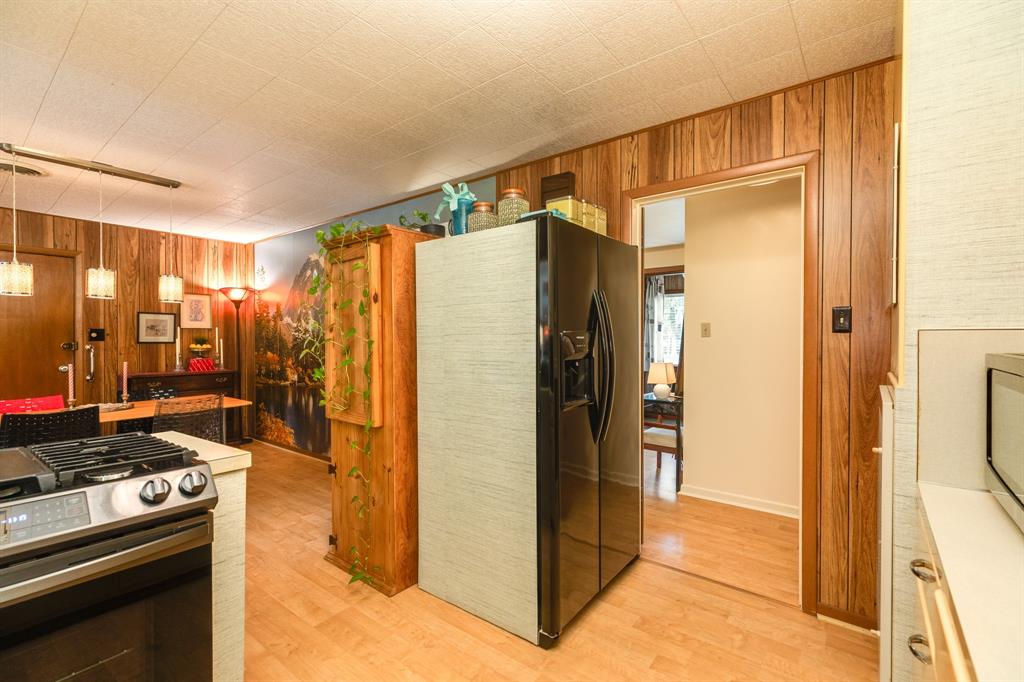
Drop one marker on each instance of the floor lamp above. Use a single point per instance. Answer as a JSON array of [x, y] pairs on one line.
[[237, 296]]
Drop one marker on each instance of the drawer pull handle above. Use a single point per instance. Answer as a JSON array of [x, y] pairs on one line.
[[221, 380], [919, 640], [154, 384], [923, 570]]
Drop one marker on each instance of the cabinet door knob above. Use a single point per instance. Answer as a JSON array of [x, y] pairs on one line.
[[153, 384], [923, 570], [877, 451], [221, 380], [915, 641]]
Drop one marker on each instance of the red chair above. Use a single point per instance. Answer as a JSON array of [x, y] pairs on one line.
[[41, 404]]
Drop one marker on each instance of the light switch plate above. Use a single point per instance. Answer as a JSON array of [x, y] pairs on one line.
[[842, 321], [705, 330]]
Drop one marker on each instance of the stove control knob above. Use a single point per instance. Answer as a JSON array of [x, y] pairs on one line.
[[155, 491], [192, 483]]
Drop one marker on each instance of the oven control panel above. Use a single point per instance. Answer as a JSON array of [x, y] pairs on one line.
[[30, 520]]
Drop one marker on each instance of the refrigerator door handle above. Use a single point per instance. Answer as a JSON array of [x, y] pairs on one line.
[[599, 352], [608, 340]]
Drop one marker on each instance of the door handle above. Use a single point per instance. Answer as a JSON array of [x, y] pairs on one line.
[[63, 369], [91, 374], [609, 389]]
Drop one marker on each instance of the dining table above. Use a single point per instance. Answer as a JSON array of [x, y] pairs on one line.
[[672, 406]]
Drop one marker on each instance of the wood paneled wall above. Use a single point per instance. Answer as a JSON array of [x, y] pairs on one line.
[[848, 119], [140, 257]]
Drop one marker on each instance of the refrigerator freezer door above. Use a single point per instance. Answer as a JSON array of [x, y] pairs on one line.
[[619, 282], [567, 449]]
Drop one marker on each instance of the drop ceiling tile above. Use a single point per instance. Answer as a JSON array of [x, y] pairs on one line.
[[224, 145], [413, 22], [461, 170], [519, 88], [138, 152], [576, 62], [108, 60], [674, 69], [368, 51], [469, 110], [320, 72], [136, 204], [168, 121], [80, 112], [620, 89], [693, 99], [819, 19], [558, 113], [382, 107], [270, 48], [160, 32], [526, 27], [473, 57], [598, 14], [305, 21], [752, 40], [479, 11], [251, 172], [24, 79], [427, 126], [708, 16], [851, 48], [425, 83], [41, 27], [210, 81], [393, 144], [655, 27], [767, 75]]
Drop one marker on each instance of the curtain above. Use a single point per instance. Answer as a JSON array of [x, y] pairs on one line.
[[654, 294]]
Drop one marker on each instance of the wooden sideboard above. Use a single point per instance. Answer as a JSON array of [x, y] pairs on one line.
[[390, 320], [224, 381]]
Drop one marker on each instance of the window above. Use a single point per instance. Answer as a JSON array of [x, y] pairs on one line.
[[664, 305]]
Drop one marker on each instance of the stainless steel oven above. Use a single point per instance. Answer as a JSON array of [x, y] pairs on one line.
[[105, 561], [1005, 438], [131, 607]]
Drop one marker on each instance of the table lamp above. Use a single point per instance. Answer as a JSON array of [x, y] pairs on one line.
[[661, 374]]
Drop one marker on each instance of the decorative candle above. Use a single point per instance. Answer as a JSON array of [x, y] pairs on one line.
[[124, 381], [216, 339], [177, 343], [71, 383]]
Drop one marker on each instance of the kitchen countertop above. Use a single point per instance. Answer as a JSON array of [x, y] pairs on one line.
[[982, 555], [221, 458]]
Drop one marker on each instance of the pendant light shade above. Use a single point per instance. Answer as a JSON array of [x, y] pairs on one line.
[[172, 287], [16, 279], [171, 290], [100, 282]]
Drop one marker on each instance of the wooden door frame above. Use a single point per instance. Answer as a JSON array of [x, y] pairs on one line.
[[76, 257], [630, 220]]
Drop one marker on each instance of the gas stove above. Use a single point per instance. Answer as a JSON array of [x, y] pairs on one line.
[[62, 494]]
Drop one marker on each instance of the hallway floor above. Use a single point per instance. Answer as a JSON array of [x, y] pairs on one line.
[[304, 622], [744, 548]]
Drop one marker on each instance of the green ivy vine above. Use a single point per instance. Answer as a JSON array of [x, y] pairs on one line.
[[339, 396]]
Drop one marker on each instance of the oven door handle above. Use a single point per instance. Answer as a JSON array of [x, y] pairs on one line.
[[179, 541]]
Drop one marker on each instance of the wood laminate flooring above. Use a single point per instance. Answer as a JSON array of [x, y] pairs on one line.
[[744, 548], [305, 622]]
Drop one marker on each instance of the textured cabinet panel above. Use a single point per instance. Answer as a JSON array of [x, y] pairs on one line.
[[478, 477]]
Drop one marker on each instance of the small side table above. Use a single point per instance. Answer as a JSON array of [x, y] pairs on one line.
[[671, 406]]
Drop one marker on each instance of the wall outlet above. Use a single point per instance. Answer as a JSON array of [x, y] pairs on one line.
[[705, 330]]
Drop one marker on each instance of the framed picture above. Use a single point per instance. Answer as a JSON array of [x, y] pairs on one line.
[[195, 312], [156, 327]]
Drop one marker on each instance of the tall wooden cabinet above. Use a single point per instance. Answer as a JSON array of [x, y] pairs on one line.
[[385, 267]]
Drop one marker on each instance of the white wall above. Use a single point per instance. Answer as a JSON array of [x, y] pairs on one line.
[[962, 225], [742, 401], [665, 257]]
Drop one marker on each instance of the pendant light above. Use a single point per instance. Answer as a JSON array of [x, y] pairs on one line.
[[100, 282], [15, 278], [172, 289]]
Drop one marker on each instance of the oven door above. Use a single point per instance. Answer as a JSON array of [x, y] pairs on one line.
[[132, 607]]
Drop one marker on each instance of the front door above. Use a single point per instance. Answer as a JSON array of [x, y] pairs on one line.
[[32, 329]]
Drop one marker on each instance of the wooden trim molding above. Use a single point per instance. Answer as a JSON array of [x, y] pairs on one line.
[[810, 422], [666, 270]]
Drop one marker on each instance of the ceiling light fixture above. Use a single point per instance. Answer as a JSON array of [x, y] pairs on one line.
[[16, 279], [172, 287], [100, 282]]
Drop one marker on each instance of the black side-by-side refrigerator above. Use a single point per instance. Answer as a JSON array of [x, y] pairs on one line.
[[588, 412]]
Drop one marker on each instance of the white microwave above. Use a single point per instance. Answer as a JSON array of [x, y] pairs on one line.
[[1004, 470]]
